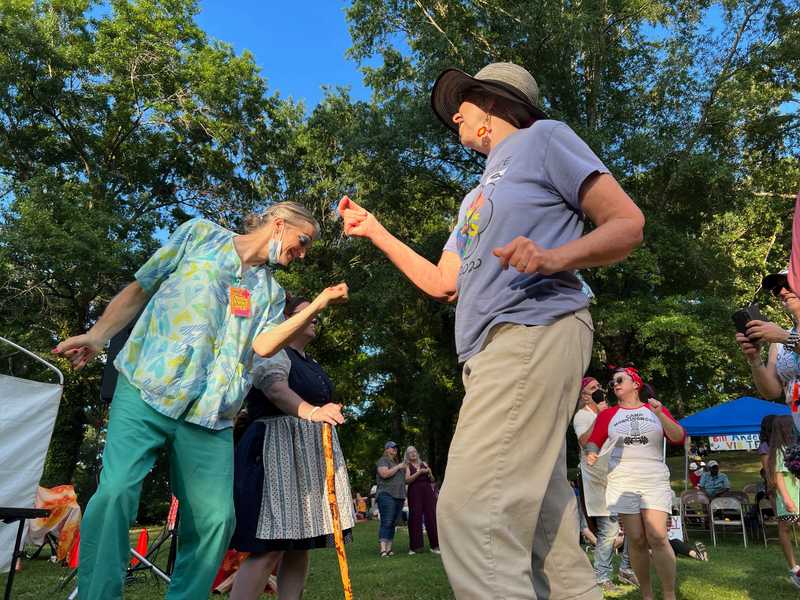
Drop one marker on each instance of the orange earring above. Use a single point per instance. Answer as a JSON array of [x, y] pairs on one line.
[[482, 132]]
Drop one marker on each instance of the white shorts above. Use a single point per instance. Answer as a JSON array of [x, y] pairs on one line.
[[628, 496]]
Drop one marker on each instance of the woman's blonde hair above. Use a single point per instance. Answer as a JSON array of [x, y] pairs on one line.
[[409, 449], [291, 212]]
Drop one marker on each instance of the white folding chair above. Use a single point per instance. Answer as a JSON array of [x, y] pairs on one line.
[[727, 519]]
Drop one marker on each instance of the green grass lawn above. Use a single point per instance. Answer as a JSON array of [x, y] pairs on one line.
[[732, 572]]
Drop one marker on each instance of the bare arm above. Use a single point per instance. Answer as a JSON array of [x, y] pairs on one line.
[[80, 349], [415, 476], [766, 376], [780, 483], [437, 281], [582, 439], [619, 231], [272, 341], [619, 228], [282, 396], [387, 472], [672, 430]]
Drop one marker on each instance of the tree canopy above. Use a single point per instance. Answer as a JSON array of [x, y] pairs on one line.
[[119, 121]]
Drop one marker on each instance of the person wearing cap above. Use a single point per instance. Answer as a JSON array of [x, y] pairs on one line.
[[593, 479], [714, 483], [632, 434], [390, 495], [694, 474], [780, 375], [523, 331]]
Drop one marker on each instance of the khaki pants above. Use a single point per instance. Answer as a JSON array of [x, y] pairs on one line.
[[507, 514]]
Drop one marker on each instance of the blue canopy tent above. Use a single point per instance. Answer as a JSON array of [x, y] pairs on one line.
[[735, 417]]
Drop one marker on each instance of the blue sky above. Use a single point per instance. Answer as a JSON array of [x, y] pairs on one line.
[[300, 45]]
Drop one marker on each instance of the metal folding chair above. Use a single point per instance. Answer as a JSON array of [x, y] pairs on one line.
[[729, 505]]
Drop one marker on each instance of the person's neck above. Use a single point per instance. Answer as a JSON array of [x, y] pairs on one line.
[[633, 402], [247, 246], [500, 131], [299, 345]]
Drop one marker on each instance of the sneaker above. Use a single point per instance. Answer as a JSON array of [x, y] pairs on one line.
[[702, 553], [795, 577], [411, 553], [436, 551], [608, 586], [628, 576]]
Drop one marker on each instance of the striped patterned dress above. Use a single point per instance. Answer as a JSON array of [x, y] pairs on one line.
[[280, 491]]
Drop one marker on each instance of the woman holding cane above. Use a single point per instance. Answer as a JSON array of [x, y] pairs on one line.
[[280, 488]]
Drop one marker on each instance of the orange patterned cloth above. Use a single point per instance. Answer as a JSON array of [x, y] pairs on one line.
[[64, 521], [231, 562]]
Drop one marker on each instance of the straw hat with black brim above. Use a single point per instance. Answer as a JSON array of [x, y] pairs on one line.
[[506, 80], [773, 282]]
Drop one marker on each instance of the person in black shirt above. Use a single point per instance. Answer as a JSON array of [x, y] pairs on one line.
[[280, 493]]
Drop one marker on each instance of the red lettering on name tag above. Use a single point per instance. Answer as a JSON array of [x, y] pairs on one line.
[[240, 302]]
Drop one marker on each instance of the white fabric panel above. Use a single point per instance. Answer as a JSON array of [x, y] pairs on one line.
[[28, 411]]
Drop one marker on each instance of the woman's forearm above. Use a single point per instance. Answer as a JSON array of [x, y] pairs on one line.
[[436, 281], [287, 401], [120, 311], [765, 383], [672, 430], [780, 483], [765, 376], [609, 243], [271, 342]]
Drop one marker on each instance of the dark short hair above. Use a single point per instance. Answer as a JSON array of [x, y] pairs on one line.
[[292, 302]]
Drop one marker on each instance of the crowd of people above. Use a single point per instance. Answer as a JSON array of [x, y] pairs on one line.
[[217, 331]]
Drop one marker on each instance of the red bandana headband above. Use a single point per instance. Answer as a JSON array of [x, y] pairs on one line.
[[633, 374]]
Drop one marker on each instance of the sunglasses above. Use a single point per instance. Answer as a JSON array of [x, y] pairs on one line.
[[619, 380]]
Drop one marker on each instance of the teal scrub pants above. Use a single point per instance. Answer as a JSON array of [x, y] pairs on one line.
[[201, 474]]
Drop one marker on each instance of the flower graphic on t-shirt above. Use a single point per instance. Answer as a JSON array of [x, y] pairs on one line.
[[469, 228]]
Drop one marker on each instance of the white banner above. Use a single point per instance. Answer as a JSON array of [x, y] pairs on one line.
[[748, 441], [675, 528], [28, 411]]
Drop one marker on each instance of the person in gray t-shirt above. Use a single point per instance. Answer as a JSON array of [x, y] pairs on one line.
[[390, 494], [522, 330]]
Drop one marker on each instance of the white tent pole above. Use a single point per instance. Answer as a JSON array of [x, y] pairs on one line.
[[686, 462], [36, 357]]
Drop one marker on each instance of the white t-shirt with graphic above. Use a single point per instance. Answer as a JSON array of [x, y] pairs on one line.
[[636, 440]]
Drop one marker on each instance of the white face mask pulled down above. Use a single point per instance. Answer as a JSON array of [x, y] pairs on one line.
[[275, 248]]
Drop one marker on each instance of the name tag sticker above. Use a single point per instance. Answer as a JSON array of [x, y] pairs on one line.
[[240, 302]]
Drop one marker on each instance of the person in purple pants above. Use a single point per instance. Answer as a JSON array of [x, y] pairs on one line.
[[421, 502]]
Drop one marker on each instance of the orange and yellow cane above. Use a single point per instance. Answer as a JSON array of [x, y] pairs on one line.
[[330, 475]]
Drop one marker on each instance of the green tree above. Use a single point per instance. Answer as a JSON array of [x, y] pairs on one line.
[[116, 123]]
